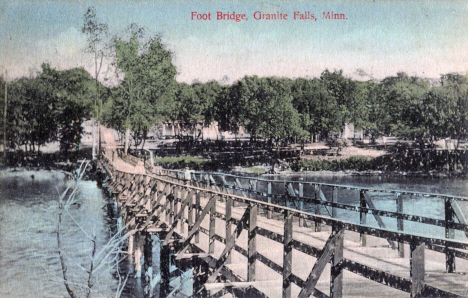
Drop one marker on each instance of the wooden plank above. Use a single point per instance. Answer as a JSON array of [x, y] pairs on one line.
[[335, 200], [196, 226], [417, 269], [252, 243], [336, 270], [362, 216], [212, 228], [287, 254], [400, 225], [228, 224], [393, 281], [177, 218], [230, 245], [317, 207], [197, 215], [269, 212], [320, 264], [449, 234], [301, 202]]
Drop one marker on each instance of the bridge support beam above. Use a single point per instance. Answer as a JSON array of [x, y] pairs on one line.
[[400, 226], [252, 243], [317, 208], [151, 251], [165, 263], [287, 254], [229, 234], [336, 270], [139, 243], [362, 216], [449, 234], [301, 203], [269, 212], [417, 269]]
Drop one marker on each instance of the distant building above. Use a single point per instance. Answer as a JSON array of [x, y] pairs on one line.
[[171, 129], [350, 133]]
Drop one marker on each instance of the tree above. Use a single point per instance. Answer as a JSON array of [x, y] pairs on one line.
[[31, 114], [149, 76], [263, 106], [401, 113], [96, 33], [71, 90], [446, 108], [320, 112]]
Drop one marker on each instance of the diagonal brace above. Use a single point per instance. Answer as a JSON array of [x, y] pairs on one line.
[[322, 260], [230, 244]]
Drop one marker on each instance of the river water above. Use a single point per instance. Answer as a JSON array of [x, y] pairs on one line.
[[426, 206], [29, 261]]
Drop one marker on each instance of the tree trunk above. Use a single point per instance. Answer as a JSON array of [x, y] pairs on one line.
[[127, 139]]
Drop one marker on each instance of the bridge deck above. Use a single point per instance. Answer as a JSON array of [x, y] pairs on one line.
[[377, 254], [376, 260]]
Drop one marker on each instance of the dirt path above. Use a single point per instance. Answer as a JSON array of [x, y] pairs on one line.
[[111, 145]]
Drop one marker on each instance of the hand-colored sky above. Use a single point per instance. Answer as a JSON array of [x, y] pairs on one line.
[[424, 38]]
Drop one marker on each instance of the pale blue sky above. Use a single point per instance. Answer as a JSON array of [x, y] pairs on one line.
[[425, 38]]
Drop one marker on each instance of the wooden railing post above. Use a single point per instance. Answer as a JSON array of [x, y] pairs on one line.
[[252, 243], [269, 212], [317, 207], [417, 269], [191, 211], [131, 239], [171, 207], [212, 229], [197, 215], [334, 200], [336, 271], [139, 249], [176, 199], [165, 254], [400, 225], [449, 234], [301, 203], [287, 253], [362, 215], [183, 197], [228, 224]]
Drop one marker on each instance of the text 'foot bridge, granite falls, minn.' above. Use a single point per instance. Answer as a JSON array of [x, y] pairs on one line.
[[218, 235]]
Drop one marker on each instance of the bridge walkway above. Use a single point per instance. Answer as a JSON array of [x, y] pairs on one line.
[[236, 245]]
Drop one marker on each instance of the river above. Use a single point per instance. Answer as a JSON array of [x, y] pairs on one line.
[[415, 205], [29, 260]]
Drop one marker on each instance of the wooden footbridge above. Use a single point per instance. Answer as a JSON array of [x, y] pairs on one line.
[[216, 235]]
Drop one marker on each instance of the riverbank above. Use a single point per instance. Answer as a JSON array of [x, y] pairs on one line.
[[49, 161]]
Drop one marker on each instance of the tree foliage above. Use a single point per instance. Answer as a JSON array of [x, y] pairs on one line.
[[49, 107], [143, 95]]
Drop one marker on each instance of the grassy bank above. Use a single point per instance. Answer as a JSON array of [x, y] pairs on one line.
[[181, 162], [355, 163]]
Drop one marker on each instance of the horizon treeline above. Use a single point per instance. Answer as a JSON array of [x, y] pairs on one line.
[[52, 105]]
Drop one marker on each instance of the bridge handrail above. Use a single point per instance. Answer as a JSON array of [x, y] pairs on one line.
[[443, 245], [366, 206], [370, 230], [368, 189]]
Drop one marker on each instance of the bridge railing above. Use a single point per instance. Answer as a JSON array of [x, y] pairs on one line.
[[171, 194], [366, 206]]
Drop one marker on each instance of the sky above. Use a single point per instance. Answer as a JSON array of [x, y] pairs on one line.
[[422, 38]]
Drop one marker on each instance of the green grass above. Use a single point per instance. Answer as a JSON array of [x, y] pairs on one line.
[[180, 162], [256, 170], [356, 163]]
